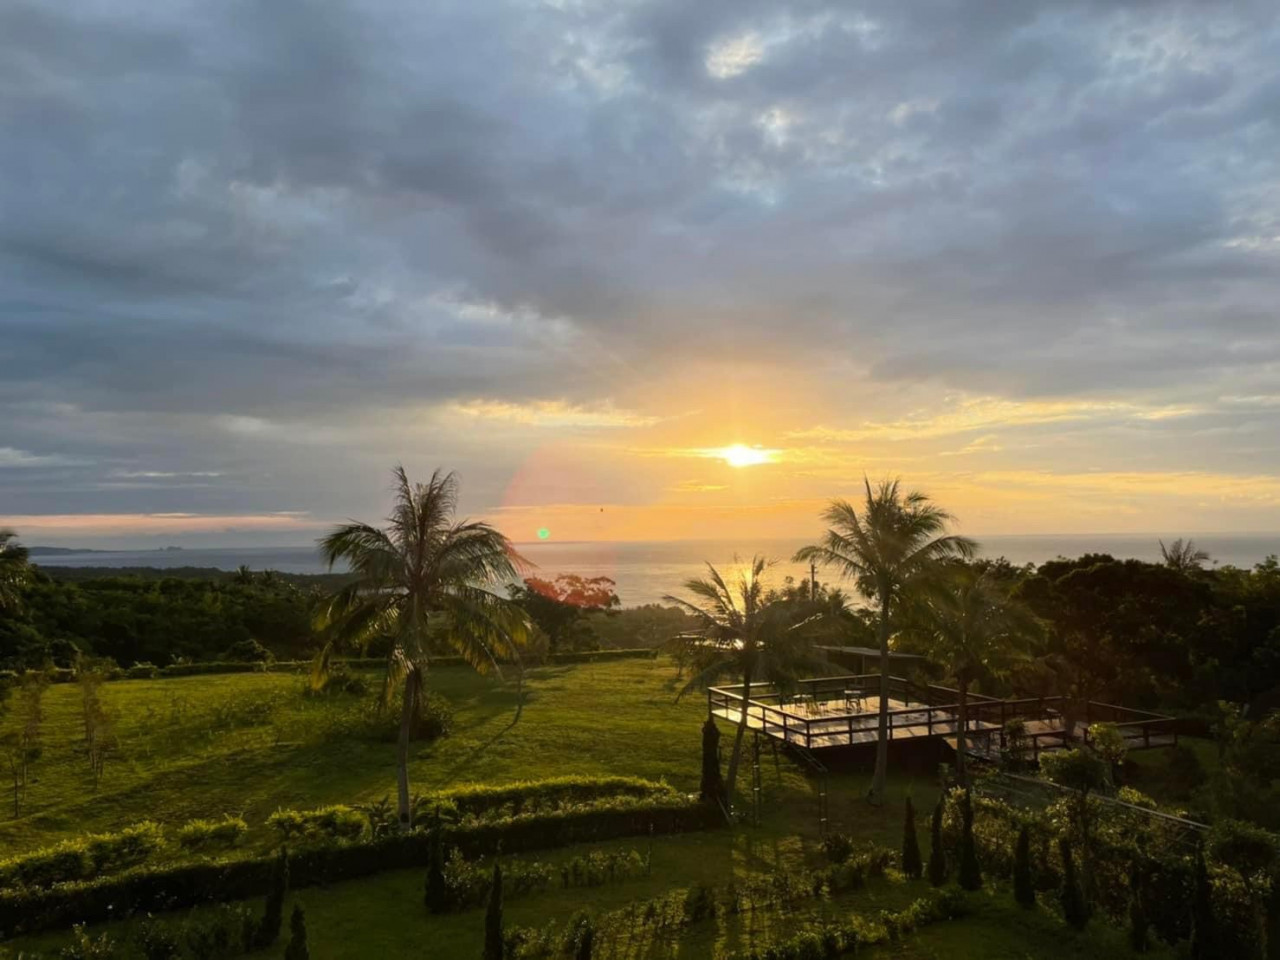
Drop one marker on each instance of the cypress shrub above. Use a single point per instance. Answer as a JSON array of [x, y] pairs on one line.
[[1138, 923], [493, 918], [268, 928], [586, 942], [1073, 906], [297, 948], [911, 864], [970, 875], [1024, 890], [1204, 927], [937, 856], [437, 891]]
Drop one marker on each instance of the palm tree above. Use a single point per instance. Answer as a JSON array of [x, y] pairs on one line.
[[1182, 556], [897, 543], [14, 570], [425, 569], [968, 623], [743, 636]]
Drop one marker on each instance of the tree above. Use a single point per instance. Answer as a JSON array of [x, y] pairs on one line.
[[1183, 556], [493, 918], [712, 787], [1084, 773], [267, 930], [15, 571], [893, 546], [437, 889], [1108, 742], [425, 569], [970, 873], [1074, 910], [1204, 926], [297, 948], [967, 622], [559, 606], [741, 635], [937, 855], [1139, 924], [911, 864], [1024, 889]]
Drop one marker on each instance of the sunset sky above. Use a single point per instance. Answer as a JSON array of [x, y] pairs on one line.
[[637, 270]]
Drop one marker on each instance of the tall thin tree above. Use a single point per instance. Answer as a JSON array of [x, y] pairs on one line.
[[742, 635], [14, 571], [893, 543], [425, 570]]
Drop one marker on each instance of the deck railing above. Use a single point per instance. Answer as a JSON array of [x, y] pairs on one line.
[[928, 710]]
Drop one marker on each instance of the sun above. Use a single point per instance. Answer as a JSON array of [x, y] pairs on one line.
[[740, 455]]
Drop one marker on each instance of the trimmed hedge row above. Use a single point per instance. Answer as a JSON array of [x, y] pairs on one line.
[[82, 858], [149, 890], [147, 671], [526, 795]]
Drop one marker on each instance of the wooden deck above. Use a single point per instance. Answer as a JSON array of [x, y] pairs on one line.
[[843, 711]]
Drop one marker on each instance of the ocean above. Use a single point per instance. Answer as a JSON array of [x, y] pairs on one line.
[[645, 572]]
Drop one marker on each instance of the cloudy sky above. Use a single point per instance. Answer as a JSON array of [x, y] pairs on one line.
[[253, 253]]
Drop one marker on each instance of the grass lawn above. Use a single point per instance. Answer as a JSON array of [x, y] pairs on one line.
[[201, 746]]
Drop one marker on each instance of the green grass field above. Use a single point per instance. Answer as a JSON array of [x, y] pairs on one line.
[[202, 746]]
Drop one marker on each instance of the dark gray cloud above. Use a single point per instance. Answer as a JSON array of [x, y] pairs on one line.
[[322, 213]]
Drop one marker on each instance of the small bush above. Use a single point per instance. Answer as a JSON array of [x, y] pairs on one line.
[[85, 947], [434, 720], [200, 836], [911, 864], [970, 874], [248, 651], [1024, 889], [937, 855], [297, 948], [156, 941], [837, 847], [323, 823], [84, 858], [1074, 909], [142, 671], [1184, 767]]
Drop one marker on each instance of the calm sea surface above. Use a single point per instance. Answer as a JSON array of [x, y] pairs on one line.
[[645, 572]]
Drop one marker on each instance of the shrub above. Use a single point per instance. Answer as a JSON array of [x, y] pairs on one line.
[[1024, 889], [155, 941], [436, 895], [1074, 910], [267, 930], [84, 947], [1138, 923], [84, 858], [142, 671], [911, 864], [198, 836], [970, 874], [1185, 770], [323, 823], [712, 787], [297, 948], [248, 651], [937, 855], [227, 932], [433, 721], [1204, 926], [837, 847], [493, 944]]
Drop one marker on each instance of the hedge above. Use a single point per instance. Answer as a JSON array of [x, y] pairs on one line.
[[531, 795], [82, 858], [149, 672], [144, 890]]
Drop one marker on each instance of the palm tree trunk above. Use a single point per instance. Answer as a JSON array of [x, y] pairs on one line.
[[731, 778], [962, 729], [408, 712], [876, 795]]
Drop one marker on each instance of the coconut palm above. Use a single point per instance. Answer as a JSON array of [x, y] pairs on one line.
[[895, 544], [1183, 556], [425, 569], [968, 623], [742, 635], [14, 570]]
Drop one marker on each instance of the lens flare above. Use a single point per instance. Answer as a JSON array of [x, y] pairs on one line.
[[543, 533]]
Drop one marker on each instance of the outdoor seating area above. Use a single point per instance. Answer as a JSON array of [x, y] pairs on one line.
[[843, 711]]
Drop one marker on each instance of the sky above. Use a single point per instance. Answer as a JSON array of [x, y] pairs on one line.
[[1023, 254]]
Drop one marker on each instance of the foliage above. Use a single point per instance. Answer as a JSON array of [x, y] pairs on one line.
[[493, 942], [323, 823], [1244, 847], [85, 858], [200, 836], [711, 788], [1071, 897], [1139, 925], [911, 864], [837, 847], [297, 948], [937, 854], [267, 930], [890, 549], [85, 947], [156, 941], [1109, 743], [247, 651], [1204, 925], [969, 874], [560, 607], [1024, 889], [436, 893]]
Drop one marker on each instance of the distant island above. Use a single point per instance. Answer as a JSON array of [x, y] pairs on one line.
[[68, 551]]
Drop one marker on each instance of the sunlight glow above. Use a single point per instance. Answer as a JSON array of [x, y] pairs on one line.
[[740, 455]]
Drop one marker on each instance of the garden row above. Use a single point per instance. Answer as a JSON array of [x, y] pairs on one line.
[[149, 671], [144, 888]]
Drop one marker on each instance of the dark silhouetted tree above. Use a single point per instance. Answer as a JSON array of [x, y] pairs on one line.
[[1024, 889], [712, 789], [1074, 910], [911, 864], [970, 873], [436, 894], [267, 930], [297, 948], [493, 918], [1204, 926]]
